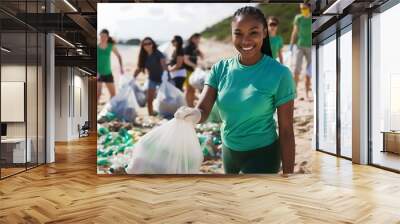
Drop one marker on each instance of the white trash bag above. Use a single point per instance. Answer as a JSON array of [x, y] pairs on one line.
[[172, 148], [198, 78], [124, 104], [169, 98], [140, 93], [124, 79], [137, 89]]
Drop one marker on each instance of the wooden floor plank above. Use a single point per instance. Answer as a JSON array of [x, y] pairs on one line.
[[69, 191]]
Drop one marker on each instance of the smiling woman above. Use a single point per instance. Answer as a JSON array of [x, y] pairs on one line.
[[253, 80]]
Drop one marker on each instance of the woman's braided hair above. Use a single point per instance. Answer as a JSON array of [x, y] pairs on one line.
[[257, 14]]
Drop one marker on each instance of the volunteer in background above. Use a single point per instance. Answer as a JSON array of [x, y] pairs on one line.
[[248, 89], [152, 61], [175, 67], [191, 52], [276, 40], [302, 31], [104, 73]]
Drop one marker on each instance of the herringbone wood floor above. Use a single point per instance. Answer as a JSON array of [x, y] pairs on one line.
[[69, 191]]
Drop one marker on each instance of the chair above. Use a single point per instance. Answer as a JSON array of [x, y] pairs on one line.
[[84, 130]]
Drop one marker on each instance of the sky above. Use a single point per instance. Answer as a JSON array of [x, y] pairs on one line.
[[161, 21]]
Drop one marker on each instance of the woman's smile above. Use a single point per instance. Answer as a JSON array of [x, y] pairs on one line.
[[248, 48]]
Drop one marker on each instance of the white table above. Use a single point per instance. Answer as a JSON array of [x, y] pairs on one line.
[[18, 145]]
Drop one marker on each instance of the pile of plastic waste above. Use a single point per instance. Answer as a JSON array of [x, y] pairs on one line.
[[211, 144], [114, 149], [119, 132], [117, 139]]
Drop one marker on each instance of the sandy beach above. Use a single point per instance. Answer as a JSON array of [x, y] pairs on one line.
[[214, 51]]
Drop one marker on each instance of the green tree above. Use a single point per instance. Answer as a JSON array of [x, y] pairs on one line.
[[284, 12]]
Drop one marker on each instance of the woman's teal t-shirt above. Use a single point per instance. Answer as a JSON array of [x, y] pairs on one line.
[[247, 97]]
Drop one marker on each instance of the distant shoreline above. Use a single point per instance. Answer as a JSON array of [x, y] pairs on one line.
[[136, 42]]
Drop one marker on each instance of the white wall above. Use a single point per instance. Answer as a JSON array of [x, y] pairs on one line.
[[71, 93], [79, 102], [61, 103]]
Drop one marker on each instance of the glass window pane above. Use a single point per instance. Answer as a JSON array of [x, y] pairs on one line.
[[13, 85], [386, 89], [314, 90], [327, 96], [346, 94], [31, 85], [23, 84], [41, 99], [31, 97]]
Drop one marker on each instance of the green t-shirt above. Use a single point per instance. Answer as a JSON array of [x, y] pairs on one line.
[[104, 60], [247, 97], [304, 30], [276, 45]]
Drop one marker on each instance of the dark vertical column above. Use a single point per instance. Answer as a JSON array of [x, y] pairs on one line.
[[369, 96], [92, 102], [37, 89], [45, 95], [26, 87], [1, 164], [317, 96], [338, 73]]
